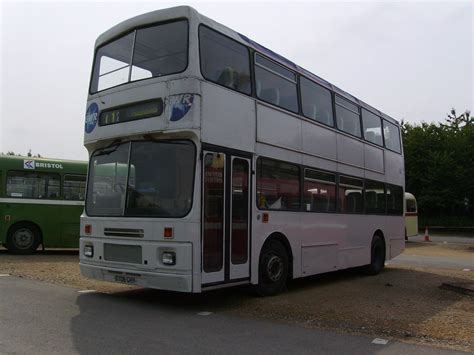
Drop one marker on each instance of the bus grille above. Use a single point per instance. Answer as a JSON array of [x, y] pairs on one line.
[[124, 232], [123, 253]]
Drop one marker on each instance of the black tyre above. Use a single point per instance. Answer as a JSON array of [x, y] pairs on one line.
[[23, 238], [377, 259], [273, 269]]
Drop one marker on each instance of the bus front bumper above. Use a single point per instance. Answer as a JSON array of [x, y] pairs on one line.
[[162, 281]]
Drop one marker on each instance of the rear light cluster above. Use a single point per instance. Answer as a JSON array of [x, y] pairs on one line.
[[88, 229]]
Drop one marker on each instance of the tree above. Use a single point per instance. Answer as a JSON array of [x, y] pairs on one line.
[[459, 122], [439, 165]]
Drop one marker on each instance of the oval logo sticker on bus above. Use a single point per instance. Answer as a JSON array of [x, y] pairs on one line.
[[179, 106], [92, 114]]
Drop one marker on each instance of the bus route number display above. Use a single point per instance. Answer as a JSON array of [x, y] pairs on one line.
[[133, 112]]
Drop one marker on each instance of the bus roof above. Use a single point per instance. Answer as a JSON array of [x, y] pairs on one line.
[[189, 12], [11, 162]]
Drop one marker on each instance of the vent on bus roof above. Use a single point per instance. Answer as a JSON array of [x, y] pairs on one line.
[[124, 232]]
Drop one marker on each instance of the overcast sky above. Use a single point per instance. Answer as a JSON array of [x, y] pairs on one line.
[[413, 61]]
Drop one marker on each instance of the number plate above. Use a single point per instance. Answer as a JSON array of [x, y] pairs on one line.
[[125, 279]]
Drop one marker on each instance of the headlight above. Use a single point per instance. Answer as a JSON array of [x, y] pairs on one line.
[[168, 258], [89, 251]]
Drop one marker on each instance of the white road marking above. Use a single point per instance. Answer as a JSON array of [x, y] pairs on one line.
[[462, 270], [380, 341], [204, 313], [86, 291], [4, 275]]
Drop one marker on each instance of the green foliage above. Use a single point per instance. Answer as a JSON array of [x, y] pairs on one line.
[[439, 165]]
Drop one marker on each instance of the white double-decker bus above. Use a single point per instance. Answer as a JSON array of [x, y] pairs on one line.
[[215, 161]]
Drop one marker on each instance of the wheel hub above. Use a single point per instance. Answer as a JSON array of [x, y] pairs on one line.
[[274, 268], [23, 238]]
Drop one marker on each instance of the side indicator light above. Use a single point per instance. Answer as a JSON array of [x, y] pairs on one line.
[[265, 218]]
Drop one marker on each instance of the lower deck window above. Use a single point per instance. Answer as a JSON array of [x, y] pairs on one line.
[[351, 195], [25, 184], [278, 185], [394, 200], [319, 191]]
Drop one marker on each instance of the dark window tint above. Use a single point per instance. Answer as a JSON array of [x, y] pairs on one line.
[[347, 115], [224, 61], [278, 185], [158, 50], [372, 127], [23, 184], [394, 200], [374, 197], [74, 187], [316, 102], [275, 84], [392, 136], [240, 210], [319, 191], [213, 219], [350, 195]]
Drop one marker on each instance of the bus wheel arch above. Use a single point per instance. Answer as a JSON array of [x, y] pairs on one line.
[[378, 255], [24, 237], [275, 265]]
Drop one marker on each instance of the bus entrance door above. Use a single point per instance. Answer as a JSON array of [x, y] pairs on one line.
[[225, 218]]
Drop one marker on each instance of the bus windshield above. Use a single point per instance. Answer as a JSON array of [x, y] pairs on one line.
[[144, 53], [142, 179]]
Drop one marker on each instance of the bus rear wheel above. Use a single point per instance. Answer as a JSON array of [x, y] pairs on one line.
[[23, 238], [273, 269], [377, 256]]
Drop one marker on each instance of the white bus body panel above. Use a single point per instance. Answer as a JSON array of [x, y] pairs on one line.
[[319, 242]]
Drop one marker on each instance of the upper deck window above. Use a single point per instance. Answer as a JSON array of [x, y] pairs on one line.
[[224, 61], [275, 84], [372, 127], [392, 136], [144, 53], [316, 102], [347, 117]]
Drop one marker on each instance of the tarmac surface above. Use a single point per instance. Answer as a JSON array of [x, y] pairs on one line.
[[39, 317]]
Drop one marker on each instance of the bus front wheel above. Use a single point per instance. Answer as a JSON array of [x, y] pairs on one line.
[[23, 238], [273, 269], [377, 256]]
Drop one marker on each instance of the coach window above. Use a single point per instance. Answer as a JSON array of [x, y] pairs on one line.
[[372, 127], [347, 115], [374, 197], [319, 191], [394, 200], [224, 61], [392, 136], [278, 185], [275, 84], [23, 184], [74, 187], [316, 102], [351, 195]]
